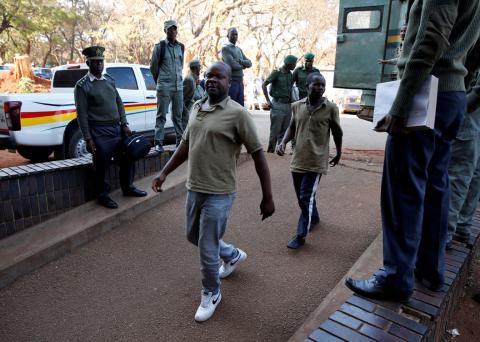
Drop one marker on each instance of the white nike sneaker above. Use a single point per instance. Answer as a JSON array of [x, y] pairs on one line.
[[207, 306], [228, 267]]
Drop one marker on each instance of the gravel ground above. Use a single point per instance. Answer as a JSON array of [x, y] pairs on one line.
[[141, 282]]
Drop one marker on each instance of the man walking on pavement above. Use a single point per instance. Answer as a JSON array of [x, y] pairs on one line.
[[216, 131], [464, 170], [281, 92], [166, 67], [102, 121], [312, 120], [300, 74], [415, 184], [236, 59], [191, 90]]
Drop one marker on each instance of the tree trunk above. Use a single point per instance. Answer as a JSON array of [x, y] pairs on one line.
[[23, 67]]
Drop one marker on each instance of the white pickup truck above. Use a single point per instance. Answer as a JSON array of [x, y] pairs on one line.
[[41, 123]]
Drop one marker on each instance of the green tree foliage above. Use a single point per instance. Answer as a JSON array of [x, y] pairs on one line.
[[32, 27]]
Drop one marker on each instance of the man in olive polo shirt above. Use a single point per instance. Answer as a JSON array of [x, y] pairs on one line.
[[166, 67], [216, 131], [102, 121], [300, 74], [281, 92], [312, 120]]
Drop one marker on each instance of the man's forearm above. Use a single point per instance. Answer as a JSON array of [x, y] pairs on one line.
[[265, 91], [180, 155], [288, 136], [337, 139], [261, 167]]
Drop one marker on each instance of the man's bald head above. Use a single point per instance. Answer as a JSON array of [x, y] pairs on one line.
[[217, 81], [222, 66]]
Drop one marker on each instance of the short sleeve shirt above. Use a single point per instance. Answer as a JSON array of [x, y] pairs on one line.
[[214, 136], [312, 136], [281, 84]]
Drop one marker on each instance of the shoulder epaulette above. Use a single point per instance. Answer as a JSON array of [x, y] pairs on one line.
[[81, 82]]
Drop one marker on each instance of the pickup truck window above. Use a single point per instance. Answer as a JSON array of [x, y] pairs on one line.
[[363, 19], [124, 77], [148, 78], [68, 78]]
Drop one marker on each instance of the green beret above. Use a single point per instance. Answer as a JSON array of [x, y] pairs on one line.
[[94, 52], [194, 63], [290, 59], [169, 23], [309, 55]]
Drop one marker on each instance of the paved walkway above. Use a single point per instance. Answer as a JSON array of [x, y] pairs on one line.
[[142, 281]]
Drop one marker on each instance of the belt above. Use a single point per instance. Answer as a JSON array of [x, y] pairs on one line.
[[281, 100]]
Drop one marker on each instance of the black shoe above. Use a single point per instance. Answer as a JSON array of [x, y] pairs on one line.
[[431, 285], [375, 289], [134, 192], [296, 242], [107, 202], [159, 149]]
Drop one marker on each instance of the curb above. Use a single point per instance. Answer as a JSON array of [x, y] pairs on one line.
[[345, 315]]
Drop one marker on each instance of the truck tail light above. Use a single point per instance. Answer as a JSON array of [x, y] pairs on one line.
[[12, 115]]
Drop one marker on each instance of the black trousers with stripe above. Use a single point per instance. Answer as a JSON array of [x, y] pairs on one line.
[[306, 185]]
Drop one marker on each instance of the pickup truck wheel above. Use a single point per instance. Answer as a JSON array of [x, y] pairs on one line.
[[35, 153], [76, 145]]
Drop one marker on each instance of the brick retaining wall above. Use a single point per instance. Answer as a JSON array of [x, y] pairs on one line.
[[30, 194]]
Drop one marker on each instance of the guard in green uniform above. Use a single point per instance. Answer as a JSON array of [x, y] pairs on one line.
[[166, 67], [192, 91], [281, 93], [300, 74], [102, 121]]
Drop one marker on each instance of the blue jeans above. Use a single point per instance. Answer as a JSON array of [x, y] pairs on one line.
[[207, 217], [464, 172], [236, 91], [306, 185], [415, 197]]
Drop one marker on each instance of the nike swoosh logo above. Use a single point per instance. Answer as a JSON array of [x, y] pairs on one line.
[[234, 262], [215, 301]]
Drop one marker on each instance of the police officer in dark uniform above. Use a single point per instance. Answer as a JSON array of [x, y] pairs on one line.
[[102, 121]]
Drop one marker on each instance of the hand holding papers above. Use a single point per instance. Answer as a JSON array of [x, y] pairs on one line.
[[422, 111]]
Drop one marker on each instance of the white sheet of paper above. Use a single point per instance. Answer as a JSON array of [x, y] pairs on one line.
[[424, 103]]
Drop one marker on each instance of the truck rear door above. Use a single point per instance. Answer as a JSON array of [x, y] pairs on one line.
[[361, 39], [132, 96], [151, 100]]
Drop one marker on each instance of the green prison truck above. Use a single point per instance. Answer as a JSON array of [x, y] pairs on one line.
[[368, 31]]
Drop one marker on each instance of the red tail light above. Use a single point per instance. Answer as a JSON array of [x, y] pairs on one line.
[[12, 115]]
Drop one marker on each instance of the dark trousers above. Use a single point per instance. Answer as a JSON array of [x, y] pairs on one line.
[[306, 185], [236, 91], [415, 198], [107, 139]]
